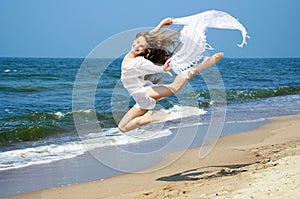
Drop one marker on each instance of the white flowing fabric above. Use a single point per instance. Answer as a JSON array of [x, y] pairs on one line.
[[193, 36]]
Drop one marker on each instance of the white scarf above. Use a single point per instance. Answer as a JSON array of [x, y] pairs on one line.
[[193, 36]]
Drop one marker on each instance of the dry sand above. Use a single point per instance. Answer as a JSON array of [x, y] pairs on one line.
[[262, 163]]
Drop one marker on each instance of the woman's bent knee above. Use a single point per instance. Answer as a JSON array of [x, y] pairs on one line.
[[122, 129]]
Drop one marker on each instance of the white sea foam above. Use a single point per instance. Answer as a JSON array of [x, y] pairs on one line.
[[178, 112], [246, 121], [8, 111], [39, 155], [45, 154], [7, 70], [59, 114]]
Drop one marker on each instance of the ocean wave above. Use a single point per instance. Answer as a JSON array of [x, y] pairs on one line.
[[233, 95], [70, 146], [33, 126], [39, 125], [39, 155], [18, 158], [22, 89]]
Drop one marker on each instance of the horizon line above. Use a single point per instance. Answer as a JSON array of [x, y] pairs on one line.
[[50, 57]]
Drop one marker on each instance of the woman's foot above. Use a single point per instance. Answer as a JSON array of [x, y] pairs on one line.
[[209, 61]]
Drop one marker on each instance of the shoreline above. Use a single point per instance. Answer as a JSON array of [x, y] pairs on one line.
[[235, 157]]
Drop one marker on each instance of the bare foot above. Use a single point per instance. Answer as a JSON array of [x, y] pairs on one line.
[[209, 61], [158, 116]]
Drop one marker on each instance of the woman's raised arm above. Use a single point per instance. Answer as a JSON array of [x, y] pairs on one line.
[[164, 22]]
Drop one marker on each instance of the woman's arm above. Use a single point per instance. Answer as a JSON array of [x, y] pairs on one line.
[[150, 68], [164, 22]]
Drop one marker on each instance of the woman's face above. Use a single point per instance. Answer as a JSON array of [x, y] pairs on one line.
[[139, 45]]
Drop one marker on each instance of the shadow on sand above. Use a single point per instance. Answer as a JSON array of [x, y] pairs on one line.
[[208, 172]]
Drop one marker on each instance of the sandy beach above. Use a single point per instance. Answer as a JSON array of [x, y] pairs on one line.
[[262, 163]]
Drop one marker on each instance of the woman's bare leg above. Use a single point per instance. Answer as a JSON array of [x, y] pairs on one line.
[[133, 119], [136, 118], [166, 90], [208, 61]]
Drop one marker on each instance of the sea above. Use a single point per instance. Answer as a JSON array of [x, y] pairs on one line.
[[37, 124]]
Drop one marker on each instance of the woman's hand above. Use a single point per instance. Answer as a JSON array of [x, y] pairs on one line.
[[166, 21], [167, 66]]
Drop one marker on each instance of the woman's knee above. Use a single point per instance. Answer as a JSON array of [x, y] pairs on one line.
[[122, 128]]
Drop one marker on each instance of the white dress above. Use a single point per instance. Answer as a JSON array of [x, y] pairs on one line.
[[132, 77]]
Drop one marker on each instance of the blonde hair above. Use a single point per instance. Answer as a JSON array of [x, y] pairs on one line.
[[161, 45]]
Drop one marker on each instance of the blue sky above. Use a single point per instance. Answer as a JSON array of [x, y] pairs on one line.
[[72, 28]]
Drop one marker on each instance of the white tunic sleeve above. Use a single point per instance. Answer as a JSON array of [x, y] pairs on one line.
[[193, 36], [149, 67]]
